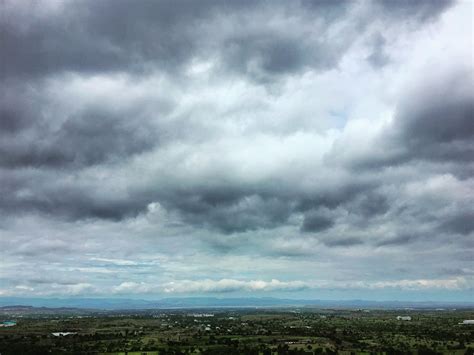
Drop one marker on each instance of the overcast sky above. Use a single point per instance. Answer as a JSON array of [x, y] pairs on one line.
[[298, 149]]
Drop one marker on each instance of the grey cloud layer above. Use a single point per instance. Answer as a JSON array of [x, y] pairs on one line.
[[433, 122], [159, 35], [118, 35], [236, 125]]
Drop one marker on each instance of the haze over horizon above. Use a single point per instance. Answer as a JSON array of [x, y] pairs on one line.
[[289, 149]]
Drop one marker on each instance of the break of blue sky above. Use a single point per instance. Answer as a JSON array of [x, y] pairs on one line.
[[303, 149]]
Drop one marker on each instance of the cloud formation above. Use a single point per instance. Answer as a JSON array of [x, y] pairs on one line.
[[222, 146]]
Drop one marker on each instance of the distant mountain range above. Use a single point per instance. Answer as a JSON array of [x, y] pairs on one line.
[[214, 302]]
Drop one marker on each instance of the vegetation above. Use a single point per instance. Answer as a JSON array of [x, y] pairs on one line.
[[262, 332]]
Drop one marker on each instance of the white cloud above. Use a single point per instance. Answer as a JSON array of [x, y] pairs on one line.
[[231, 285]]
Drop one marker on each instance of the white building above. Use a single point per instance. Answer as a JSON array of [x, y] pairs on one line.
[[63, 334], [403, 318], [467, 321]]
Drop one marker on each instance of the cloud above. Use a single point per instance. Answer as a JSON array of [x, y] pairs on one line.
[[436, 125], [231, 285], [91, 37], [343, 242], [398, 240], [119, 262], [209, 286], [197, 146], [314, 222], [455, 283], [461, 223], [433, 122], [75, 123], [417, 9], [131, 287], [378, 57]]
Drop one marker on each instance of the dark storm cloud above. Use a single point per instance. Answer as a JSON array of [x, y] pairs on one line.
[[99, 36], [433, 122], [91, 38], [459, 224], [234, 208], [315, 222], [343, 242], [420, 10], [12, 118], [104, 36], [437, 121], [228, 208], [120, 36], [40, 129], [267, 55], [332, 198], [89, 138], [248, 212], [57, 195], [371, 204]]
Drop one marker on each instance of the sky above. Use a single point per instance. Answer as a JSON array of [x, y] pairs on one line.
[[294, 149]]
